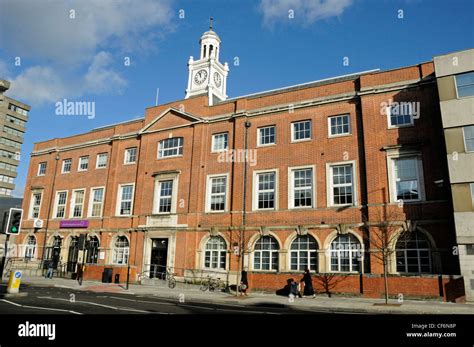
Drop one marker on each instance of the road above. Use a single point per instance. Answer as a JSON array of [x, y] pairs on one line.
[[56, 300]]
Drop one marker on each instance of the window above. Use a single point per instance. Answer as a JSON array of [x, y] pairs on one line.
[[6, 179], [472, 193], [30, 247], [18, 109], [15, 120], [61, 198], [10, 143], [92, 249], [172, 147], [266, 254], [220, 142], [341, 180], [130, 155], [469, 138], [166, 196], [215, 253], [8, 154], [77, 203], [96, 202], [406, 179], [121, 251], [301, 188], [400, 114], [413, 254], [5, 191], [35, 205], [125, 200], [42, 169], [301, 130], [101, 161], [13, 132], [465, 84], [339, 125], [265, 190], [216, 193], [83, 163], [346, 254], [66, 166], [267, 135], [9, 167], [303, 253]]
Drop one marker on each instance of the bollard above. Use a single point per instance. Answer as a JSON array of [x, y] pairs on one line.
[[14, 282]]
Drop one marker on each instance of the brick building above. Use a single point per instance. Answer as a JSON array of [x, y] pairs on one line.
[[332, 166]]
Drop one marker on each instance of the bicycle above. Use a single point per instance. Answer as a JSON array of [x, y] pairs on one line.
[[212, 284], [169, 277]]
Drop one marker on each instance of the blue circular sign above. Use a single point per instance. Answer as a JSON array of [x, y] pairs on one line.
[[18, 274]]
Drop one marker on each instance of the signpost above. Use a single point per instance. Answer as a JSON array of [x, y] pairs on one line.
[[12, 227]]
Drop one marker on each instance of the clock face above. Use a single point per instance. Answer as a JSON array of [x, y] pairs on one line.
[[217, 79], [200, 76]]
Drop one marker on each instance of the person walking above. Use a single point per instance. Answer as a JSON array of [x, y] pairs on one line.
[[49, 273], [244, 283], [308, 284]]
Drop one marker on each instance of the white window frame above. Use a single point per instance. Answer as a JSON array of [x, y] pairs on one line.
[[213, 149], [396, 154], [119, 200], [292, 125], [156, 193], [291, 188], [255, 251], [29, 248], [40, 166], [166, 149], [219, 253], [72, 204], [125, 157], [308, 252], [464, 139], [350, 251], [330, 135], [80, 162], [91, 202], [456, 85], [63, 164], [255, 189], [209, 189], [30, 212], [106, 160], [259, 139], [389, 119], [56, 204], [124, 253], [329, 184], [471, 187]]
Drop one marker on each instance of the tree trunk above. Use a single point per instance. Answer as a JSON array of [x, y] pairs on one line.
[[385, 277]]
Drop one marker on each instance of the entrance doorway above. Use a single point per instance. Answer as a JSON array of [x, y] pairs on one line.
[[159, 257], [73, 254], [53, 253]]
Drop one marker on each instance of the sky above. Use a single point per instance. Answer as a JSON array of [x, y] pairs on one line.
[[117, 53]]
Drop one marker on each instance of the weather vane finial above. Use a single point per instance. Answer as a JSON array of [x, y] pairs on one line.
[[210, 23]]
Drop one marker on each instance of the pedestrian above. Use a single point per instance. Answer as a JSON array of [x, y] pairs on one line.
[[293, 289], [80, 274], [308, 284], [244, 283], [49, 273]]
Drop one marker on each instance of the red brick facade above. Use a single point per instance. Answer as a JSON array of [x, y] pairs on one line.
[[187, 229]]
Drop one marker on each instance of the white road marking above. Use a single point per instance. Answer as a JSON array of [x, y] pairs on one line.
[[97, 304], [145, 301], [40, 308]]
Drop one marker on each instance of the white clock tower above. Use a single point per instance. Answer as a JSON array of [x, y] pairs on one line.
[[207, 75]]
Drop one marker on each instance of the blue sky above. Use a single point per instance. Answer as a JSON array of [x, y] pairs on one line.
[[82, 58]]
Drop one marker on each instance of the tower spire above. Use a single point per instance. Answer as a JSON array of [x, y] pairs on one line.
[[210, 23]]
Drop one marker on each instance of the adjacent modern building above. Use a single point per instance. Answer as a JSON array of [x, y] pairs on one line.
[[13, 118], [455, 78], [306, 176]]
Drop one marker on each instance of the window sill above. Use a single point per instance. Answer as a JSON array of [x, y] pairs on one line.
[[266, 145], [213, 151], [132, 163], [339, 135], [303, 140], [170, 157], [401, 126]]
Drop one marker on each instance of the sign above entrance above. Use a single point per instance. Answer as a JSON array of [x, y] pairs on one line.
[[81, 223]]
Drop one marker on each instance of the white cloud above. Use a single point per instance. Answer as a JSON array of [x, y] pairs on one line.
[[305, 11], [69, 57]]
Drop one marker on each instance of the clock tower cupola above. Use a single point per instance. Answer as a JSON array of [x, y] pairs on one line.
[[208, 75]]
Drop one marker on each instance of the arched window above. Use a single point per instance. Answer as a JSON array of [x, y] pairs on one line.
[[30, 247], [346, 254], [266, 254], [92, 250], [413, 253], [121, 250], [304, 253], [215, 254]]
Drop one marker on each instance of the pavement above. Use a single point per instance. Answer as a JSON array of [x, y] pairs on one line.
[[185, 294]]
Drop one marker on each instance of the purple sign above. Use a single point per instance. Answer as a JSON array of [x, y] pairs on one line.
[[80, 223]]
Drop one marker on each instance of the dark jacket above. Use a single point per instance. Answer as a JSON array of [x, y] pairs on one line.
[[308, 284]]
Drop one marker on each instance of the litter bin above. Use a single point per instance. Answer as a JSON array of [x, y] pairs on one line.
[[117, 278], [107, 275]]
